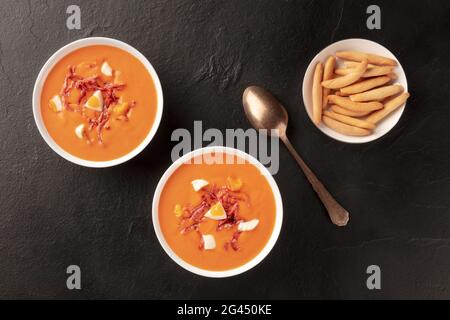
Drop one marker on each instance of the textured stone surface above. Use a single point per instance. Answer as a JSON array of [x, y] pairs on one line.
[[54, 213]]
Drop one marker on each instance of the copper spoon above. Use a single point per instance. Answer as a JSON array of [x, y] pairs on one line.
[[265, 112]]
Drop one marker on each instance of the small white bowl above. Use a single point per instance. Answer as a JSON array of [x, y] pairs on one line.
[[354, 45], [260, 256], [48, 66]]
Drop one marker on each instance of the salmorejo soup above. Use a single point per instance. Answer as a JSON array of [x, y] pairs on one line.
[[218, 216], [99, 103]]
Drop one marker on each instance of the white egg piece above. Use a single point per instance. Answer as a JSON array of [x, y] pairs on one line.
[[199, 184], [95, 102], [209, 242], [106, 69], [79, 131], [56, 103], [216, 212], [248, 225]]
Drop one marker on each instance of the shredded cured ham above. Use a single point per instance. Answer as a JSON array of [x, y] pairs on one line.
[[85, 86], [201, 246], [234, 241], [189, 228], [230, 200]]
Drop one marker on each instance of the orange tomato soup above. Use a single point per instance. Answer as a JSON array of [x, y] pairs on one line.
[[99, 103], [227, 184]]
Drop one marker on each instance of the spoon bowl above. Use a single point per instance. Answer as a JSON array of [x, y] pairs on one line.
[[256, 101]]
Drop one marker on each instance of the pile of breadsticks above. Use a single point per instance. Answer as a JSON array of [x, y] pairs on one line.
[[354, 98]]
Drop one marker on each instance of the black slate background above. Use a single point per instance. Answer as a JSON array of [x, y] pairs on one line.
[[54, 213]]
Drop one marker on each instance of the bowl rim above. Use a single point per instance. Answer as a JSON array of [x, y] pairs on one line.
[[268, 246], [42, 77], [370, 138]]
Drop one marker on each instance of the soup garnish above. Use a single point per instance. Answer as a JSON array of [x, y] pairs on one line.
[[95, 98], [220, 204]]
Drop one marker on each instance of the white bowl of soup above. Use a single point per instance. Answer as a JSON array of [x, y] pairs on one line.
[[217, 212], [97, 102]]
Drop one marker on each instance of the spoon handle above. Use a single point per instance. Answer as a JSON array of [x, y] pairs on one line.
[[338, 215]]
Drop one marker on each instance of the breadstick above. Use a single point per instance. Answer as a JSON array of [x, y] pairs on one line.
[[345, 128], [377, 71], [372, 72], [392, 75], [328, 73], [347, 80], [389, 107], [335, 108], [349, 120], [371, 58], [365, 85], [343, 71], [377, 94], [355, 106], [354, 64], [317, 94]]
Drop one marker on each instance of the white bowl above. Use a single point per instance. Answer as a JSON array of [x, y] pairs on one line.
[[354, 45], [260, 256], [48, 66]]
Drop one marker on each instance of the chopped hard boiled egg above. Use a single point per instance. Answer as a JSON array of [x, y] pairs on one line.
[[209, 242], [79, 131], [95, 102], [216, 212], [198, 184], [121, 108], [106, 69], [248, 225], [178, 210], [56, 103], [234, 184]]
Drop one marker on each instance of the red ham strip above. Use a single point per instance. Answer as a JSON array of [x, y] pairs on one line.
[[86, 85], [193, 216]]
